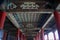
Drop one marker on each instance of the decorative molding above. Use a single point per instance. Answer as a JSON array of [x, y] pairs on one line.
[[11, 6], [29, 5]]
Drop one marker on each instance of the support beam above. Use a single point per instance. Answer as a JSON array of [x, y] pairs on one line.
[[12, 19], [44, 11], [47, 21]]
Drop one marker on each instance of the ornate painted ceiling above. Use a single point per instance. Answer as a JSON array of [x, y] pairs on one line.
[[31, 15]]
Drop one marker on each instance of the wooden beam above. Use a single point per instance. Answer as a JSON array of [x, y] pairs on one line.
[[26, 1], [19, 10], [30, 35], [12, 19], [29, 31], [49, 19], [32, 29]]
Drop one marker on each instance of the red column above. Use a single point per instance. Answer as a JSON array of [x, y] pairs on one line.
[[36, 38], [57, 18], [17, 35], [5, 36], [24, 37], [20, 35], [39, 37], [2, 19], [54, 36], [42, 34]]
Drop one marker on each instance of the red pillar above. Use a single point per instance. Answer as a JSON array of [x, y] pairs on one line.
[[5, 36], [42, 34], [21, 37], [36, 38], [24, 37], [39, 37], [57, 18], [2, 19], [54, 36], [18, 34]]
